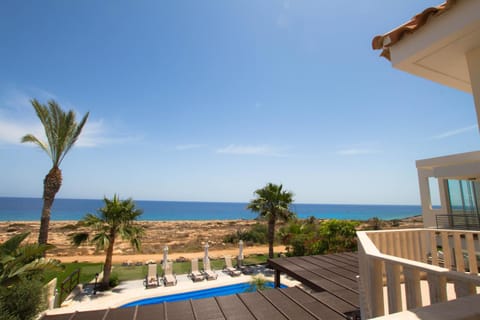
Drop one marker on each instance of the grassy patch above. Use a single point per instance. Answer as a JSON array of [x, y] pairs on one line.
[[125, 273], [87, 272]]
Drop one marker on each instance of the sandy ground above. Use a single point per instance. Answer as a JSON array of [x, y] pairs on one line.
[[133, 258], [184, 239]]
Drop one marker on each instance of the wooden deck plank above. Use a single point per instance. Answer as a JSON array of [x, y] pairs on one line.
[[325, 274], [335, 302], [348, 296], [260, 307], [341, 277], [180, 310], [233, 308], [151, 312], [339, 268], [352, 256], [90, 315], [285, 305], [338, 264], [321, 310], [207, 309], [121, 314], [66, 316]]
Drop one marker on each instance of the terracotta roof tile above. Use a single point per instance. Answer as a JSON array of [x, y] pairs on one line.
[[387, 40]]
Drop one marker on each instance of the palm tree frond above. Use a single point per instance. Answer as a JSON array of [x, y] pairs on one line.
[[61, 130], [32, 139], [12, 244], [37, 265], [79, 238]]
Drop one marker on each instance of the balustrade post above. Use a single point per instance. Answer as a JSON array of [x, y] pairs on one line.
[[376, 287], [437, 286], [464, 288], [433, 247], [393, 287], [423, 236], [403, 246], [390, 244], [459, 263], [472, 256], [412, 287], [447, 252], [411, 249], [398, 244]]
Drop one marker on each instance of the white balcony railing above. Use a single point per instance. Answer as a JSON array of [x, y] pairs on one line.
[[394, 257]]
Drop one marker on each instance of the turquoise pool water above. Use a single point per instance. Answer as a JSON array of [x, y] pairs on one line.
[[199, 294]]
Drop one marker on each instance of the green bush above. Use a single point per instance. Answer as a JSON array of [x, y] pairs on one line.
[[256, 235], [307, 237], [114, 281], [22, 301]]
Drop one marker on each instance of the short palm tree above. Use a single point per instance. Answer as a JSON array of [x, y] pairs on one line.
[[116, 218], [272, 203], [17, 260], [62, 131]]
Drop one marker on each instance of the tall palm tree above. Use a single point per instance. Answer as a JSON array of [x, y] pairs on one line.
[[116, 218], [62, 131], [272, 203]]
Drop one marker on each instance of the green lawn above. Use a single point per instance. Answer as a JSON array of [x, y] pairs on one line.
[[138, 272], [124, 273], [87, 272]]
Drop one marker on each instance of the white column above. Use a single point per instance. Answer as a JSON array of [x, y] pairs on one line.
[[473, 60], [425, 198]]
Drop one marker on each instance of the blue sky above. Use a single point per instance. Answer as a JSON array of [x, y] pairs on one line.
[[210, 100]]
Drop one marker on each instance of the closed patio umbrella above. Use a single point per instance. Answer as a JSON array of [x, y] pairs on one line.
[[240, 253], [165, 257], [205, 258]]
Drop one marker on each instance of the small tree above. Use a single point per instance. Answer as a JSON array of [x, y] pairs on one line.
[[116, 218], [258, 283], [17, 261], [272, 203], [336, 236], [21, 269]]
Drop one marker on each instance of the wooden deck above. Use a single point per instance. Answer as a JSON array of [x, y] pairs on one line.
[[279, 304], [333, 278]]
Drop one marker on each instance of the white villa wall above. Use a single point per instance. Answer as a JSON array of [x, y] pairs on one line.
[[473, 60]]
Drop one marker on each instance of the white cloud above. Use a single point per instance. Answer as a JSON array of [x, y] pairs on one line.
[[356, 151], [18, 118], [19, 100], [455, 132], [184, 147], [262, 150], [11, 132], [95, 134]]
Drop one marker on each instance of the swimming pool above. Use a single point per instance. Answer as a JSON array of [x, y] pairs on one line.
[[199, 294]]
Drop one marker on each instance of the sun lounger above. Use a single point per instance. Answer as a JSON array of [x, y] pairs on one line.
[[209, 273], [229, 267], [195, 275], [169, 278], [151, 280]]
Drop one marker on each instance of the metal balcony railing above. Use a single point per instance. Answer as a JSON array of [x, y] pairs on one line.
[[458, 221]]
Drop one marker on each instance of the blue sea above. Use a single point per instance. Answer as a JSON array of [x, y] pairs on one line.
[[28, 209]]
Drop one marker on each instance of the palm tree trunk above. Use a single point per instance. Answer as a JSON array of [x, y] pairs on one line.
[[51, 185], [107, 267], [271, 236]]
